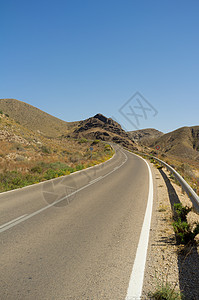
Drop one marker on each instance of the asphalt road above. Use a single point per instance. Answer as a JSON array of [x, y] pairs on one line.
[[74, 237]]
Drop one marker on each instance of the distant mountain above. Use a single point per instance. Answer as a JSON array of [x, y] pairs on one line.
[[34, 118], [103, 128], [182, 142], [145, 136]]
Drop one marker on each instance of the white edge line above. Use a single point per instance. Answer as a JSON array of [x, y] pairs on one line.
[[137, 276], [26, 217]]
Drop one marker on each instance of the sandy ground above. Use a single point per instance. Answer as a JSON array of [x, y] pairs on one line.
[[164, 262]]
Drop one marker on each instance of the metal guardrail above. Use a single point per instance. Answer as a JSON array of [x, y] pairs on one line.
[[185, 186]]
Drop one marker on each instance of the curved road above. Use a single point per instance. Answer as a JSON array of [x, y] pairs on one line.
[[74, 237]]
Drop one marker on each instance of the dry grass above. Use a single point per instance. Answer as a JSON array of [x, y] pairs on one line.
[[22, 150], [188, 169]]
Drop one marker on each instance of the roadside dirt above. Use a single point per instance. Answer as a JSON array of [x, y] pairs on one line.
[[165, 262]]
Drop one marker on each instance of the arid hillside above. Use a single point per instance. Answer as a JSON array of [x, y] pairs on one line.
[[30, 138], [34, 118], [182, 143], [145, 136], [98, 127], [179, 148], [28, 157]]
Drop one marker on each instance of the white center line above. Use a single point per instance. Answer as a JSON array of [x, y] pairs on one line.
[[95, 180], [13, 221], [26, 217]]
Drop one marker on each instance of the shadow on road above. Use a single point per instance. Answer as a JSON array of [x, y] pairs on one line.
[[188, 265]]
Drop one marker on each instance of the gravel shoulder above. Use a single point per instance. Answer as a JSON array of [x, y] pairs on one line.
[[164, 262]]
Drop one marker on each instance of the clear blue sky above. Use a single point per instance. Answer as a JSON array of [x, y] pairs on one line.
[[76, 58]]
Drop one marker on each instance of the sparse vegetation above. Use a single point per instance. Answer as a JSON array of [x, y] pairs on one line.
[[27, 157], [40, 172], [187, 172], [172, 177], [178, 148], [165, 291], [45, 149], [162, 208]]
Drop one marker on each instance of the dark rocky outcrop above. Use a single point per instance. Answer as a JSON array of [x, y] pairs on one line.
[[103, 128]]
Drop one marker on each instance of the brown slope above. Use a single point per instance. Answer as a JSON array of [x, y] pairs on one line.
[[34, 118], [182, 142], [103, 128]]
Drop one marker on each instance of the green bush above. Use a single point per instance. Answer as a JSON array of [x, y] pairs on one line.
[[180, 211], [184, 235], [95, 142], [83, 140], [107, 148], [50, 174], [60, 173], [79, 167], [159, 167], [37, 169], [152, 161], [45, 149], [182, 229]]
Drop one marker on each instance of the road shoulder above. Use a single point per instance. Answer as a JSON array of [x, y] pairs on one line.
[[164, 261]]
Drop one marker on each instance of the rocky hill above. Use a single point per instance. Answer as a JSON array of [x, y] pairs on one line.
[[103, 128]]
